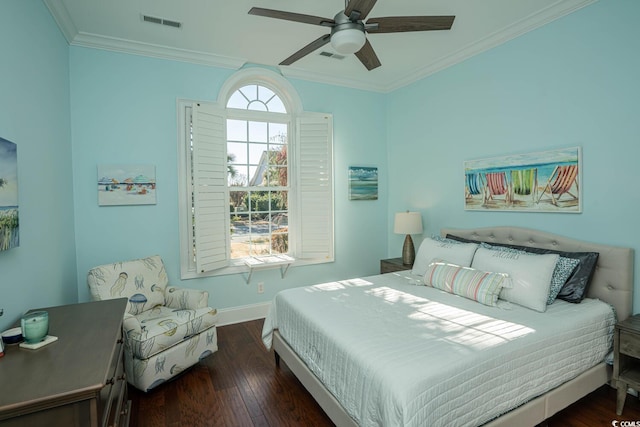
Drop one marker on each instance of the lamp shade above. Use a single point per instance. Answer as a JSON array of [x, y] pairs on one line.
[[347, 41], [408, 223]]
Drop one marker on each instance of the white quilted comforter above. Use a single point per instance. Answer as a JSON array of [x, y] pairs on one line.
[[397, 354]]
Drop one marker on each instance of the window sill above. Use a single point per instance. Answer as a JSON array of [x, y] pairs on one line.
[[241, 268], [273, 261]]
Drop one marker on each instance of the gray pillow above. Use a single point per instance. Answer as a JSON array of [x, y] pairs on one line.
[[575, 288]]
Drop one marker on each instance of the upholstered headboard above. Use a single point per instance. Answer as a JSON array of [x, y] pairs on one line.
[[613, 278]]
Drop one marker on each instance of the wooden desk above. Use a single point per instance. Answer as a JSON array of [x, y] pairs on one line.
[[76, 381]]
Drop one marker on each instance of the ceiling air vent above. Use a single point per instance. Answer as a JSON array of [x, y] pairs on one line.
[[161, 21], [331, 55]]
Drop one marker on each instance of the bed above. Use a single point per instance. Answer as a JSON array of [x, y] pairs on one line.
[[456, 361]]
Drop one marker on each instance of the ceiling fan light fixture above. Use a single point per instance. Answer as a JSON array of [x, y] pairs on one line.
[[348, 40]]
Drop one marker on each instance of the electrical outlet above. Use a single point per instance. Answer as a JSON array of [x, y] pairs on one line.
[[260, 287]]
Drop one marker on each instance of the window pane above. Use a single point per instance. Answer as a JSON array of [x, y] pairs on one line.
[[280, 241], [257, 131], [238, 201], [255, 153], [254, 177], [235, 177], [239, 236], [276, 105], [265, 94], [277, 155], [237, 153], [237, 100], [278, 133], [260, 244], [249, 91], [236, 130], [259, 202], [279, 201], [279, 220], [276, 176]]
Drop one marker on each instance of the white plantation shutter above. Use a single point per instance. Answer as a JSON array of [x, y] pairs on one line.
[[211, 196], [315, 187]]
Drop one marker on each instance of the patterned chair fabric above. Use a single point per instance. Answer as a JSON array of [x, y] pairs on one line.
[[167, 329]]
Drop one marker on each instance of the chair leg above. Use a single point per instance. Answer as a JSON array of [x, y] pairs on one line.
[[277, 357]]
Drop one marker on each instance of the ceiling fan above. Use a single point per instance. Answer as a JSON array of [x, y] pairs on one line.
[[348, 29]]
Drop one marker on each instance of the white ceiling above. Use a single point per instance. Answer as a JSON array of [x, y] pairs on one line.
[[223, 34]]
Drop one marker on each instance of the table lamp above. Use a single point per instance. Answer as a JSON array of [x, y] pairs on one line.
[[408, 223]]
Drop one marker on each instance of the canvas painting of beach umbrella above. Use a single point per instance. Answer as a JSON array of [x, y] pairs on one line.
[[9, 224], [126, 185]]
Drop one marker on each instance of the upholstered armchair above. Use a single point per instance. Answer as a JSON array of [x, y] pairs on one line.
[[166, 329]]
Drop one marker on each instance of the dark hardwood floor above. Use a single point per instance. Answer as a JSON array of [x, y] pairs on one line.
[[240, 386]]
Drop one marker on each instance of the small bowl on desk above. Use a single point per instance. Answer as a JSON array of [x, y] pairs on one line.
[[12, 336]]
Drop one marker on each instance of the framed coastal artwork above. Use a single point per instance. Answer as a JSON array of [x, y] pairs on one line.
[[363, 183], [546, 181], [9, 224], [126, 185]]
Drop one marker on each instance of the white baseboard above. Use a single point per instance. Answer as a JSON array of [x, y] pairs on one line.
[[245, 313]]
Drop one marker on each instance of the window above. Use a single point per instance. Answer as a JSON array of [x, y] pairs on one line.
[[256, 178]]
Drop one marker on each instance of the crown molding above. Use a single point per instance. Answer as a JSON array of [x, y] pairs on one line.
[[155, 51], [63, 19], [557, 10]]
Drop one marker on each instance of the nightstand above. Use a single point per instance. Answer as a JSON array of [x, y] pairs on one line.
[[626, 358], [393, 264]]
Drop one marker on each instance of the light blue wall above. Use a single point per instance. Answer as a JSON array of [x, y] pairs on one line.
[[574, 82], [34, 114], [123, 110]]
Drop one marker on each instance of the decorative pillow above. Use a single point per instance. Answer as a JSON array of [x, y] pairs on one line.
[[455, 253], [530, 275], [477, 285], [575, 288], [564, 268]]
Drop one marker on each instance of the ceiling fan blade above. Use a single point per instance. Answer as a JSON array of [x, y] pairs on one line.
[[362, 6], [368, 57], [290, 16], [317, 43], [401, 24]]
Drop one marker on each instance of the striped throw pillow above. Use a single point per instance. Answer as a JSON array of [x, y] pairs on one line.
[[467, 282]]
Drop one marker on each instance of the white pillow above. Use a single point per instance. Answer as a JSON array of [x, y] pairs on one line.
[[530, 275], [454, 253]]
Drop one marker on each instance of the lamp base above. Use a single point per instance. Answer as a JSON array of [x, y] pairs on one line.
[[408, 251]]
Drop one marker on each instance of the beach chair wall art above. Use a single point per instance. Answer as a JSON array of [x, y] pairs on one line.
[[546, 181]]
